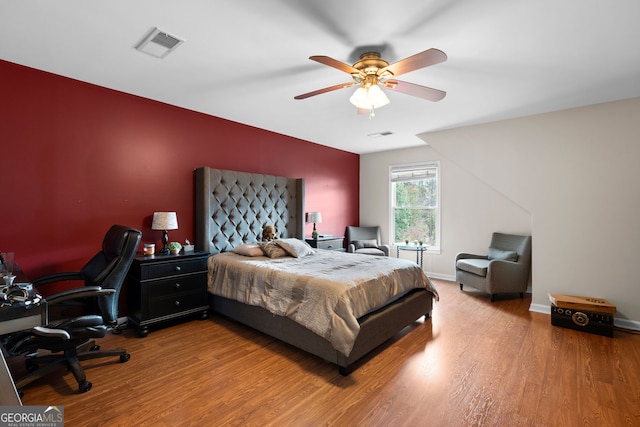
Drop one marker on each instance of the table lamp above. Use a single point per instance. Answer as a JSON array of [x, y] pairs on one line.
[[314, 217], [164, 221]]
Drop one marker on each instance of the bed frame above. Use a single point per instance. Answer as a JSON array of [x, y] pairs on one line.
[[232, 207]]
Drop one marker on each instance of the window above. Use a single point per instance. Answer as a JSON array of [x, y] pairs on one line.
[[415, 204]]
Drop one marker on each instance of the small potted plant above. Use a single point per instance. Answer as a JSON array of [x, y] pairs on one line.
[[174, 247]]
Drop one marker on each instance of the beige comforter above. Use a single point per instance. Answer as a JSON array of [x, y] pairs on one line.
[[326, 292]]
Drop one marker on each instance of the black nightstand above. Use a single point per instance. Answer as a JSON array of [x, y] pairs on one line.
[[332, 243], [164, 287]]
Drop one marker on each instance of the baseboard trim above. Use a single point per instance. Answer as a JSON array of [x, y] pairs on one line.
[[633, 325], [540, 308], [441, 276]]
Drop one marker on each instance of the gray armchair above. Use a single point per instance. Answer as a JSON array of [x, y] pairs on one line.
[[505, 268], [365, 240]]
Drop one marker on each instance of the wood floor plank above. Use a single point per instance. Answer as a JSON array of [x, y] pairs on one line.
[[474, 363]]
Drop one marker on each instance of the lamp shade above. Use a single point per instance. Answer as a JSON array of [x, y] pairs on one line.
[[314, 217], [368, 97], [164, 221]]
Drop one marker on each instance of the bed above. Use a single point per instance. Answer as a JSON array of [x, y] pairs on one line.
[[232, 207]]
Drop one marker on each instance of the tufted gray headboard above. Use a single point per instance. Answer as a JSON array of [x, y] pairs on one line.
[[232, 207]]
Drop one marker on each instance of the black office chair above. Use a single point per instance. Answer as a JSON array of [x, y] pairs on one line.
[[68, 340], [107, 270]]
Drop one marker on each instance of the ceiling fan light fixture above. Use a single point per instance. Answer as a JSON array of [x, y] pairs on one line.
[[371, 71], [369, 97]]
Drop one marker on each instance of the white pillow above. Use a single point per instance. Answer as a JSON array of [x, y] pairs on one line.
[[294, 247], [248, 249]]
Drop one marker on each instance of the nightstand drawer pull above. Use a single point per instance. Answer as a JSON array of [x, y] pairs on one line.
[[333, 243], [162, 269], [171, 305], [177, 285]]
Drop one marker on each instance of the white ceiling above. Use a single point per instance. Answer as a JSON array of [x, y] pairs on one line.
[[245, 60]]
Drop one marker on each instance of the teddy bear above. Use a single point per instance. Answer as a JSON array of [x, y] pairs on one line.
[[269, 233]]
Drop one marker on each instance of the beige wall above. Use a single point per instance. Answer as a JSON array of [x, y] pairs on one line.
[[573, 175], [470, 209]]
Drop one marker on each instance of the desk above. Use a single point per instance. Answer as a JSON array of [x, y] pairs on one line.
[[13, 319], [418, 249], [18, 317], [9, 395]]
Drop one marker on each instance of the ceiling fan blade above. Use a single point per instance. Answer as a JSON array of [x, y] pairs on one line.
[[414, 62], [325, 90], [335, 64], [415, 90]]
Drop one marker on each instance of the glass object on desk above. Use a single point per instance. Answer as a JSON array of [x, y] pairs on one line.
[[7, 263], [7, 269], [8, 279]]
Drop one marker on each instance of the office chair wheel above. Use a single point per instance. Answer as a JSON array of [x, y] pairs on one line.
[[125, 357], [94, 347], [84, 386]]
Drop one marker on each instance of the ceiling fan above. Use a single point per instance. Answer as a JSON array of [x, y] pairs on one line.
[[371, 72]]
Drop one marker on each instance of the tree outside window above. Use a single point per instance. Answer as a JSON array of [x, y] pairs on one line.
[[415, 204]]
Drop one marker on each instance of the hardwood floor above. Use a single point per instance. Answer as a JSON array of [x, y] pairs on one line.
[[475, 363]]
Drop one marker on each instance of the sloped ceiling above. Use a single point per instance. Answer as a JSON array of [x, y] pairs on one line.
[[245, 60]]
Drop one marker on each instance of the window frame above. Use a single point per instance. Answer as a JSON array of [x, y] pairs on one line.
[[437, 209]]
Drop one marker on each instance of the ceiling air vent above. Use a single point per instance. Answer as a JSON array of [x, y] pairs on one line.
[[380, 134], [158, 43]]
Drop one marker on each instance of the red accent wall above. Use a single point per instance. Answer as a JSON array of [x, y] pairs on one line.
[[77, 158]]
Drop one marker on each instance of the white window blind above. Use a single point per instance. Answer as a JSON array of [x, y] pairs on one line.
[[412, 173]]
